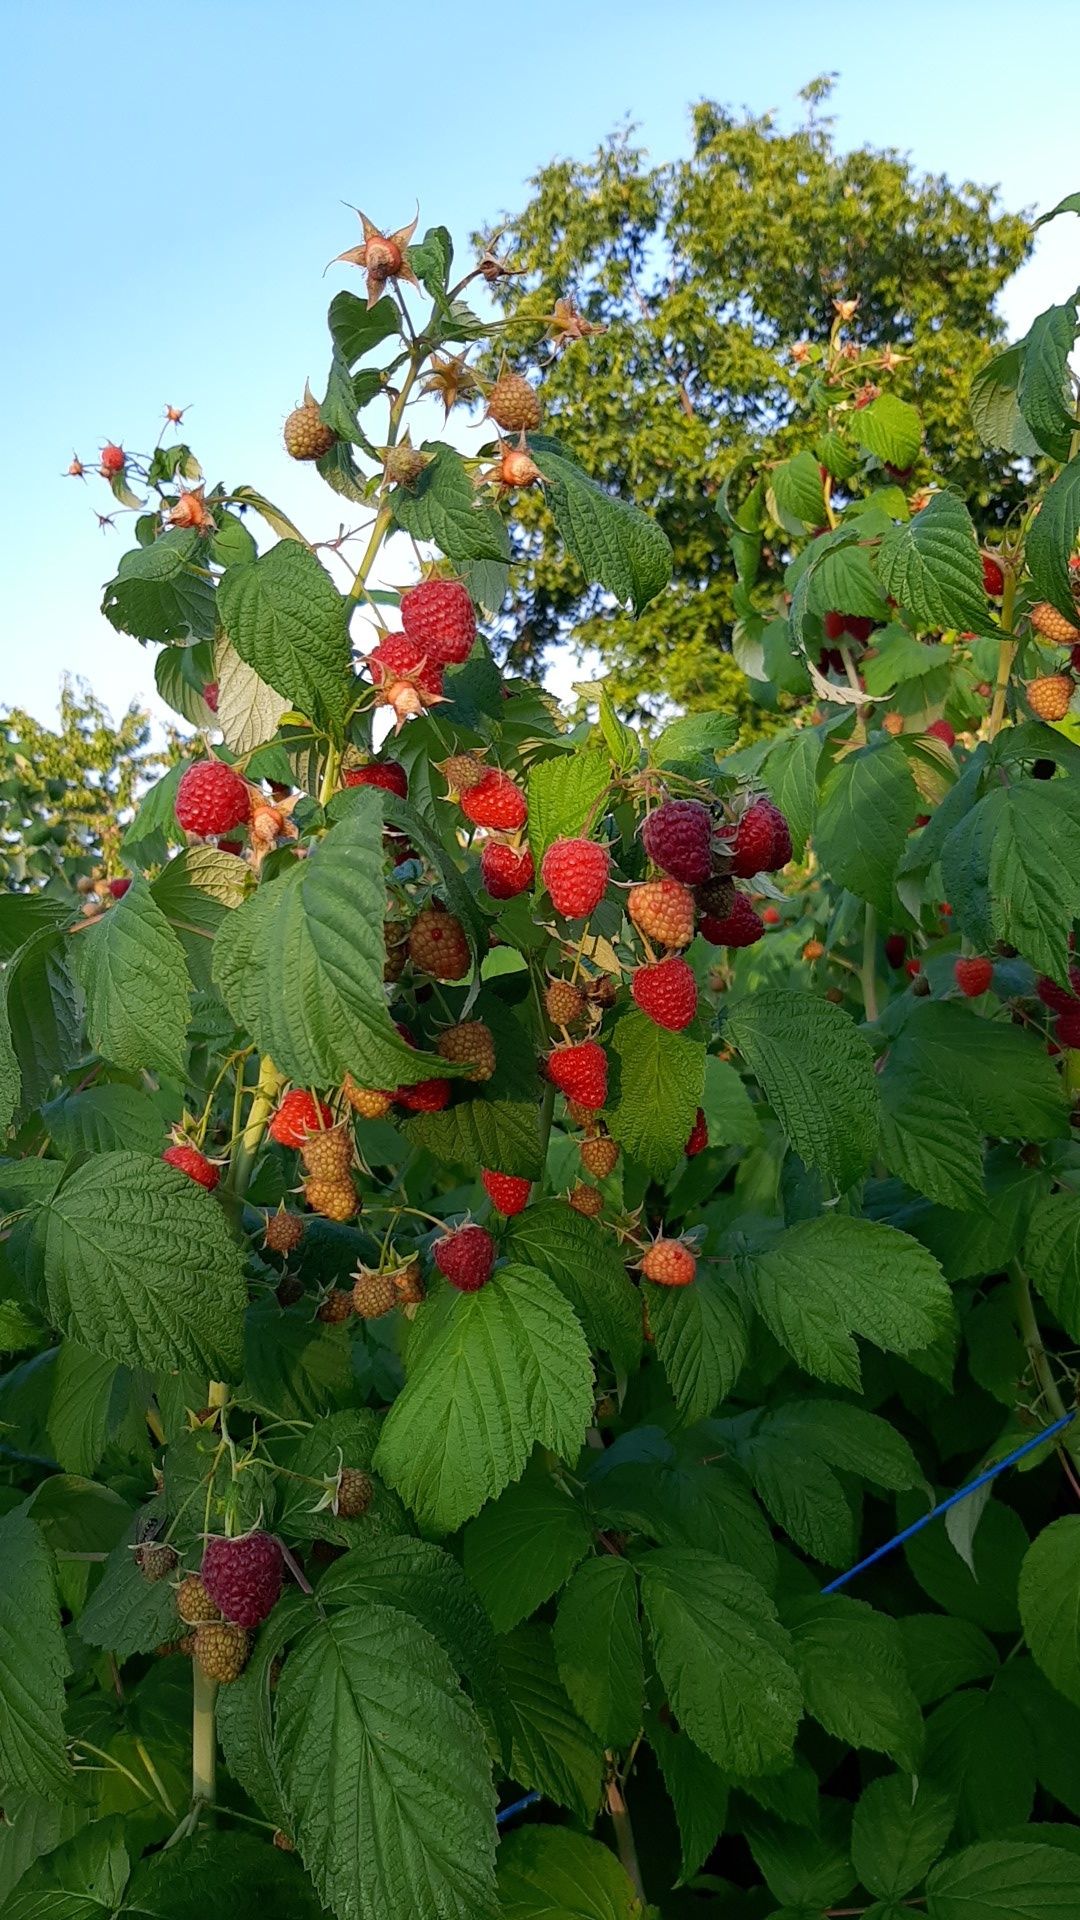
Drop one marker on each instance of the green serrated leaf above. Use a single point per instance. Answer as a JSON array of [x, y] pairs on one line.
[[159, 592], [356, 329], [286, 619], [701, 1337], [523, 1547], [586, 1266], [442, 506], [552, 1873], [249, 711], [33, 1664], [552, 1749], [598, 1648], [817, 1073], [797, 486], [563, 794], [126, 1613], [613, 541], [657, 1082], [489, 1375], [42, 1013], [868, 804], [889, 428], [932, 568], [131, 968], [1050, 1603], [995, 410], [1052, 1257], [1004, 1880], [1044, 387], [851, 1664]]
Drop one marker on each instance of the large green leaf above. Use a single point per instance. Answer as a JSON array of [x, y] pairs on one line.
[[817, 1073], [488, 1376], [42, 1011], [497, 1123], [552, 1749], [724, 1659], [585, 1263], [900, 1827], [552, 1873], [195, 892], [106, 1116], [995, 410], [442, 506], [697, 1789], [126, 1613], [1052, 1254], [675, 1490], [598, 1647], [824, 1281], [139, 1265], [249, 711], [287, 620], [33, 1664], [796, 483], [365, 1702], [868, 804], [701, 1338], [613, 541], [1051, 540], [1050, 1603], [300, 965], [1044, 386], [1005, 1880], [983, 1592], [851, 1664], [931, 567], [1034, 876], [523, 1547], [928, 1136], [890, 428], [657, 1083], [84, 1406], [1000, 1073], [563, 794], [160, 593], [219, 1872], [131, 968]]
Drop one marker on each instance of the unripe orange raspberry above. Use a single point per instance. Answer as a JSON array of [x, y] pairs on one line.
[[669, 1263], [370, 1103], [193, 1603], [600, 1156], [335, 1308], [334, 1199], [564, 1003], [586, 1200], [355, 1492], [513, 404], [307, 437], [283, 1232], [1053, 625], [373, 1294], [437, 944], [663, 910], [1049, 696], [222, 1650], [409, 1283], [470, 1044], [328, 1154]]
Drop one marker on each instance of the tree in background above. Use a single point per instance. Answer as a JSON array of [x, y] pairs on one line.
[[700, 269], [64, 795]]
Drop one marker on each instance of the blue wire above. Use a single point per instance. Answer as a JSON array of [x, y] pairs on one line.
[[981, 1480], [944, 1505]]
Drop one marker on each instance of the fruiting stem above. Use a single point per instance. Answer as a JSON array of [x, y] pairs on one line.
[[1006, 654], [203, 1738], [266, 1092], [547, 1108], [1033, 1341], [379, 528], [624, 1837], [330, 775], [868, 970]]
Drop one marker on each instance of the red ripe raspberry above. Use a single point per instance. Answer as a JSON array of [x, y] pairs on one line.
[[438, 944], [912, 968], [1067, 1028], [187, 1159], [669, 1263], [993, 577], [113, 459], [667, 993], [507, 1193], [770, 916], [210, 695], [847, 626], [506, 871], [297, 1116], [212, 798], [575, 873], [466, 1257], [739, 928], [495, 801], [439, 616], [833, 625], [678, 839], [580, 1072], [1060, 999], [118, 888], [408, 679], [663, 910], [699, 1136], [388, 774], [973, 976], [941, 730], [753, 844], [243, 1576], [895, 949], [427, 1096]]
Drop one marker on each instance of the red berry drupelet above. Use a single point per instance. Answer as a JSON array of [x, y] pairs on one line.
[[187, 1159], [941, 730], [973, 975], [439, 616], [742, 927], [580, 1072], [212, 798], [678, 839], [669, 1263], [698, 1138], [507, 1192], [296, 1116], [496, 801], [243, 1576], [506, 871], [993, 577], [663, 910], [390, 775], [1060, 999], [575, 873], [667, 992], [466, 1257], [761, 841]]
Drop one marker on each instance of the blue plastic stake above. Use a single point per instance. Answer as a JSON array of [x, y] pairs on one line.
[[953, 1500], [517, 1806]]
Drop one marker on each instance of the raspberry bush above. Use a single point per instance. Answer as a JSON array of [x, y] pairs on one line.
[[499, 1215]]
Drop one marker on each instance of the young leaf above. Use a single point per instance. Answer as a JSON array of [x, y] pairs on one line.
[[523, 1547], [139, 1265], [33, 1664], [1049, 1605], [817, 1073], [159, 593], [365, 1698], [598, 1647], [724, 1659], [287, 621], [822, 1282], [867, 807], [130, 966], [442, 506], [658, 1078], [701, 1338], [489, 1375], [890, 428], [563, 793], [356, 329], [851, 1664], [931, 567], [614, 542], [586, 1266]]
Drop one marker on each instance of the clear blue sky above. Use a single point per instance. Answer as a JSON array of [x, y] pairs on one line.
[[174, 178]]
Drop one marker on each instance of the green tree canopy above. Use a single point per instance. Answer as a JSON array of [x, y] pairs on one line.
[[704, 270]]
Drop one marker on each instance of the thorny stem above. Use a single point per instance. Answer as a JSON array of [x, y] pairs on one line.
[[1006, 655], [547, 1108], [868, 971], [1033, 1341], [624, 1837], [270, 1083]]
